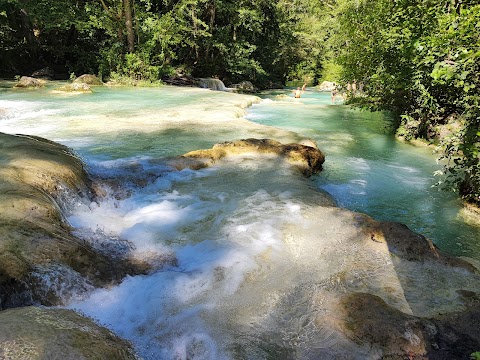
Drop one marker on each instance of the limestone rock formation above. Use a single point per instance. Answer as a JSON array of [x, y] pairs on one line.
[[397, 335], [39, 333], [40, 260], [29, 82], [88, 79], [308, 159], [327, 86]]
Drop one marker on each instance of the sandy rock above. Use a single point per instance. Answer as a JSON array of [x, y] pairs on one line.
[[408, 245], [40, 333], [244, 87], [307, 159]]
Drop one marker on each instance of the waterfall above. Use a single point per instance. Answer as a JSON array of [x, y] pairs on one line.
[[212, 84]]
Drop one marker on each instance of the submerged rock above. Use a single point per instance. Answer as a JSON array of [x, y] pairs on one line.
[[78, 88], [29, 82], [40, 333], [307, 158], [40, 260]]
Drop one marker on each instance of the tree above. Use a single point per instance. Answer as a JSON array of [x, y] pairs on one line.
[[420, 60]]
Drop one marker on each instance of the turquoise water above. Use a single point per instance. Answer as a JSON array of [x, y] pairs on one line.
[[369, 171], [261, 258]]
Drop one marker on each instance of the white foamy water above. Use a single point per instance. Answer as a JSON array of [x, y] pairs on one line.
[[221, 236]]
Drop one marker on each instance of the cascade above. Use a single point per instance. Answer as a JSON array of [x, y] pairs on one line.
[[212, 84]]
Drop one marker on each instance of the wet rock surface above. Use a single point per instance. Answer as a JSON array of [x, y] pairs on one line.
[[346, 284], [308, 159], [38, 252], [396, 335], [41, 333]]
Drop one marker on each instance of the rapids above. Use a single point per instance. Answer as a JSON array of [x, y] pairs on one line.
[[261, 255]]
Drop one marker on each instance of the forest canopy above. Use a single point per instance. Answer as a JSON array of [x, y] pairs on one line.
[[255, 40], [418, 59]]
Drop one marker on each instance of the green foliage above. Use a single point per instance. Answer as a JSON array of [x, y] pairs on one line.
[[421, 60], [475, 355]]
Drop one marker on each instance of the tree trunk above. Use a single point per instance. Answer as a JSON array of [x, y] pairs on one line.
[[127, 10]]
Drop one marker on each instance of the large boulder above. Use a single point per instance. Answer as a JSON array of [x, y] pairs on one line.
[[44, 73], [308, 159], [88, 79], [244, 87], [39, 333], [29, 82], [40, 260]]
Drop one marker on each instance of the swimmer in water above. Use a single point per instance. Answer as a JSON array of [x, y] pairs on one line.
[[298, 93]]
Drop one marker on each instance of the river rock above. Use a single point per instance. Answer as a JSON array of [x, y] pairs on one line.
[[39, 333], [88, 79], [244, 87], [397, 335], [307, 159], [29, 82], [40, 260], [44, 73]]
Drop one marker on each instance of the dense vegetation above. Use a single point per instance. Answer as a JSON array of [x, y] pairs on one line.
[[256, 40], [421, 60], [418, 59]]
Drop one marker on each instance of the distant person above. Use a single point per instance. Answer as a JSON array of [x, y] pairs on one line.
[[304, 87], [334, 94], [298, 93]]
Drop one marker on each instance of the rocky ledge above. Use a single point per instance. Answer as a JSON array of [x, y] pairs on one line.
[[306, 157], [41, 261]]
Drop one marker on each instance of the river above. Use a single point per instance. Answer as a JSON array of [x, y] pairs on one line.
[[252, 261]]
